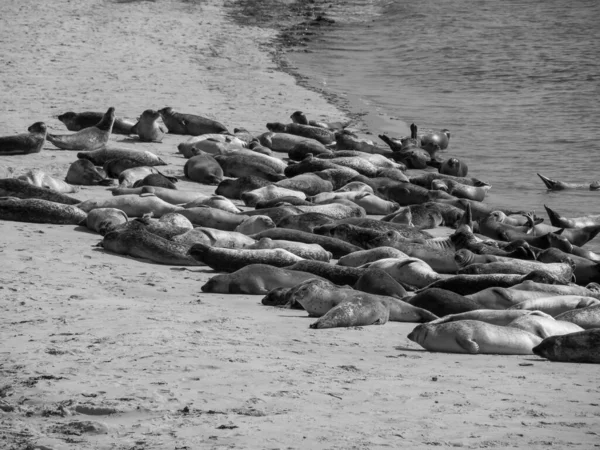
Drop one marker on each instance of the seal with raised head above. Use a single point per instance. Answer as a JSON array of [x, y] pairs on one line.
[[189, 123], [35, 210], [13, 187], [78, 121], [472, 336], [554, 185], [92, 138], [23, 144], [203, 168], [148, 128], [454, 167], [255, 279], [255, 224], [83, 172], [580, 347], [574, 222]]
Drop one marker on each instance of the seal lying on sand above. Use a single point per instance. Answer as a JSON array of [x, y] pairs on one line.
[[472, 336], [12, 187], [189, 123], [354, 313], [22, 144], [580, 347], [101, 156], [78, 121], [35, 210], [230, 260], [83, 172], [38, 178], [256, 279], [92, 138]]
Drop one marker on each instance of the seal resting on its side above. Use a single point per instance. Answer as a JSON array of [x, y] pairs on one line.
[[581, 347], [189, 123]]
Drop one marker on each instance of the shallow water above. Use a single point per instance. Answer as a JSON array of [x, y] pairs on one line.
[[516, 82]]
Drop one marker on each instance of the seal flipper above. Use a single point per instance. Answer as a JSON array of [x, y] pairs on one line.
[[468, 344]]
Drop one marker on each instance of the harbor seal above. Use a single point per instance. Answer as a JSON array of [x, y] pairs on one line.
[[544, 326], [255, 279], [442, 302], [234, 188], [574, 222], [266, 193], [303, 250], [336, 274], [379, 282], [557, 305], [308, 183], [148, 128], [203, 168], [140, 243], [103, 220], [586, 318], [300, 117], [554, 185], [242, 165], [319, 134], [580, 347], [205, 216], [83, 172], [41, 179], [229, 260], [13, 187], [303, 148], [92, 138], [355, 313], [23, 144], [306, 222], [412, 272], [493, 316], [255, 224], [157, 180], [361, 257], [471, 336], [35, 210], [78, 121], [101, 156], [454, 167], [133, 205], [189, 123]]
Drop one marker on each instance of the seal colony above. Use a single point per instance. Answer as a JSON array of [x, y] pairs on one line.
[[306, 190]]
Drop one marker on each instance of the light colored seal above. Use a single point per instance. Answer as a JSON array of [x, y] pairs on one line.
[[347, 140], [176, 220], [205, 216], [502, 298], [557, 305], [78, 121], [251, 198], [255, 279], [303, 250], [102, 156], [140, 243], [23, 144], [83, 172], [308, 183], [255, 224], [133, 205], [148, 128], [214, 201], [192, 124], [103, 220], [214, 238], [474, 337], [319, 134], [354, 313], [544, 326], [39, 178], [35, 210], [563, 271], [241, 165], [493, 316], [454, 167], [283, 142], [556, 289], [300, 117], [554, 185], [410, 272], [92, 138], [580, 347], [12, 187], [476, 193], [203, 168], [361, 257]]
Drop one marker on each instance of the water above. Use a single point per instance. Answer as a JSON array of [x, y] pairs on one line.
[[516, 82]]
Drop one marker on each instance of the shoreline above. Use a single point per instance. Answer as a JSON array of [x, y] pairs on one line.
[[102, 351]]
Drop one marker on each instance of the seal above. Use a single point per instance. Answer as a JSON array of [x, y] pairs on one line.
[[337, 247], [557, 305], [78, 121], [440, 138], [83, 172], [425, 179], [255, 279], [393, 174], [176, 220], [586, 318], [544, 326], [157, 180], [189, 123], [35, 210], [92, 138], [300, 118], [275, 213], [214, 238], [308, 183], [306, 222], [127, 171], [26, 143], [148, 128], [379, 282], [503, 298], [41, 179], [214, 144], [103, 220], [472, 336], [172, 196], [354, 313], [427, 215], [554, 185], [282, 201], [476, 193], [339, 176], [236, 187], [133, 205], [580, 347], [13, 187], [255, 224], [230, 260], [140, 243], [336, 274], [303, 148], [442, 302], [319, 134], [214, 201], [585, 272], [205, 216], [412, 272], [303, 250], [454, 167], [556, 289], [336, 210], [101, 156], [361, 257], [380, 161], [270, 192], [283, 142], [575, 222], [203, 168], [236, 166], [347, 140], [493, 316], [561, 271]]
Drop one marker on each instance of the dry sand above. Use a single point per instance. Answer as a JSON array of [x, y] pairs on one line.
[[85, 333]]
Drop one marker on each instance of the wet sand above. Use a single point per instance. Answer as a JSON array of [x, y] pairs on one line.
[[101, 351]]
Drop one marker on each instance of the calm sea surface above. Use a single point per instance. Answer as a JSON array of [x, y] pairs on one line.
[[516, 82]]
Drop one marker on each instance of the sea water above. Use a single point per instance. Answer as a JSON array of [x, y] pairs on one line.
[[516, 82]]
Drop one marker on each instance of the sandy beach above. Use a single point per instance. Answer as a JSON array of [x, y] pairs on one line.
[[101, 351]]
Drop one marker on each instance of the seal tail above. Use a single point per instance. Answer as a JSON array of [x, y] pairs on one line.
[[550, 184]]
